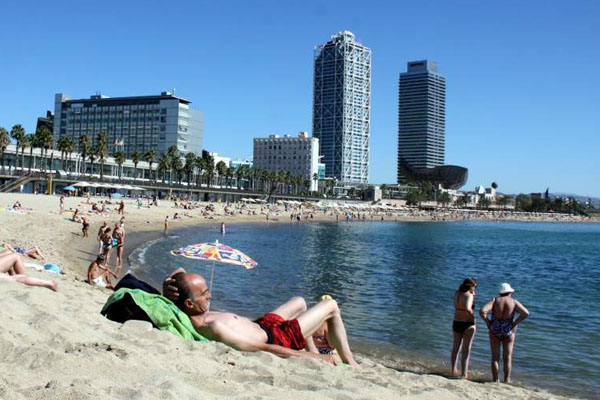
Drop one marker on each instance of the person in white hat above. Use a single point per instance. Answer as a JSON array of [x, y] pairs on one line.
[[503, 327]]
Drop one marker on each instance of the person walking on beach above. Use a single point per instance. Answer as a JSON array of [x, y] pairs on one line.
[[282, 332], [463, 326], [85, 226], [121, 208], [166, 225], [503, 328], [62, 203]]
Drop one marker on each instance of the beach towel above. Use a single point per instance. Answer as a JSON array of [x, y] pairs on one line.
[[159, 310]]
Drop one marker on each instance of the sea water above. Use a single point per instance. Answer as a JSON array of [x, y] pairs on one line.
[[395, 282]]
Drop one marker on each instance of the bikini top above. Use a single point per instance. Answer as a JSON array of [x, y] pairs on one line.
[[464, 309]]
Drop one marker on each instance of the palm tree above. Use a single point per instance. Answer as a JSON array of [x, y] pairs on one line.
[[190, 162], [4, 142], [209, 167], [70, 148], [136, 156], [164, 163], [18, 134], [44, 140], [31, 140], [102, 148], [92, 155], [177, 166], [84, 148], [149, 157], [221, 168], [62, 147], [120, 159]]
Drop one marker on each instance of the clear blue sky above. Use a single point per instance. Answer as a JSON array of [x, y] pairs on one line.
[[523, 81]]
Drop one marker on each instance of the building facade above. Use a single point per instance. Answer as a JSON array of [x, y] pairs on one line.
[[132, 123], [297, 155], [421, 116], [342, 107]]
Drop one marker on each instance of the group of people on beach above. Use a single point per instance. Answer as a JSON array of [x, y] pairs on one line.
[[499, 317]]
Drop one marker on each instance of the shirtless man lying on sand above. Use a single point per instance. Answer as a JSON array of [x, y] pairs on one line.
[[283, 332]]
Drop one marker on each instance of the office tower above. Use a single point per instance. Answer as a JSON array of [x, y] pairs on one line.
[[297, 155], [342, 107], [132, 123], [421, 116]]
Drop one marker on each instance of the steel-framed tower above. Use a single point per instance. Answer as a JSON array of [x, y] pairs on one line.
[[342, 107], [421, 116]]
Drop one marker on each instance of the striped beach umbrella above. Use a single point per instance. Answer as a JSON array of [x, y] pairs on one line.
[[215, 252]]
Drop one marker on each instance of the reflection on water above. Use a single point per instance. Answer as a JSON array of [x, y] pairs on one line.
[[395, 282]]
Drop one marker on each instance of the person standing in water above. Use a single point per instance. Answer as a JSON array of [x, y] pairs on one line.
[[503, 328], [463, 326], [222, 228]]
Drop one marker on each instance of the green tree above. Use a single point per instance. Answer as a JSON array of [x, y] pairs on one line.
[[120, 159], [136, 156], [164, 164], [84, 148], [413, 197], [92, 155], [4, 142], [484, 202], [221, 171], [18, 134], [45, 141], [150, 157], [523, 202], [31, 141], [445, 199], [102, 151], [190, 163], [209, 167], [173, 153], [62, 146]]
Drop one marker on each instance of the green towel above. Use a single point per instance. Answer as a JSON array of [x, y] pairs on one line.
[[163, 313]]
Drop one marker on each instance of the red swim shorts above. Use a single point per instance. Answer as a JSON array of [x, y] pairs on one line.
[[281, 332]]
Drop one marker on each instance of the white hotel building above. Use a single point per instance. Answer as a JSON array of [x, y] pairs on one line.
[[298, 155]]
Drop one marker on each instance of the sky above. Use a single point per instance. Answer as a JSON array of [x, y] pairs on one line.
[[522, 77]]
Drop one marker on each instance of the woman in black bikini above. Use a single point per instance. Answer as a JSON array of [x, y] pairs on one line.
[[463, 326]]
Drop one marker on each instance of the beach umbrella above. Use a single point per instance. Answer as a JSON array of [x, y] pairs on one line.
[[215, 252], [69, 188], [116, 195], [81, 184]]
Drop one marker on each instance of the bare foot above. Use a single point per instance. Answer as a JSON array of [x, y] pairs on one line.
[[53, 286]]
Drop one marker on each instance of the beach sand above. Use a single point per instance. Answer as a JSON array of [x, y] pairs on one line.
[[58, 346]]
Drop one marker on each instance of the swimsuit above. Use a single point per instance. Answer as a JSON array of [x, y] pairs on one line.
[[324, 347], [461, 326], [501, 327], [281, 332], [20, 250], [99, 281]]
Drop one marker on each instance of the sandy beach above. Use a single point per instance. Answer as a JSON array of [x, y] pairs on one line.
[[59, 346]]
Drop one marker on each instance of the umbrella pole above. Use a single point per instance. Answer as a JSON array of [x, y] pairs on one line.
[[212, 275]]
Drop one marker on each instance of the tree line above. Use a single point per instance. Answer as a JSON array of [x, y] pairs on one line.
[[172, 166]]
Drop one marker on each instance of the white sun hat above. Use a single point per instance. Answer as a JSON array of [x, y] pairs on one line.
[[505, 288]]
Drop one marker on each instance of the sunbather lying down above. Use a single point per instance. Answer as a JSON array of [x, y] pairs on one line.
[[33, 252], [284, 331], [12, 269]]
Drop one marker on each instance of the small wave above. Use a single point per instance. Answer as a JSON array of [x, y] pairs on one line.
[[138, 256]]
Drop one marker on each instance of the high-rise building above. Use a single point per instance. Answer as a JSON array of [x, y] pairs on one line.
[[421, 116], [342, 107], [131, 123], [297, 155]]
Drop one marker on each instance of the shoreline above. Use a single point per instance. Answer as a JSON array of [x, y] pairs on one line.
[[57, 345]]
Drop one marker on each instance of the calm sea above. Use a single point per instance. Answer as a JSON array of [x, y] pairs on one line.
[[395, 282]]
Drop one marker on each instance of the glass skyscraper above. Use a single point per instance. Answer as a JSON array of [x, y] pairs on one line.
[[342, 107], [421, 116], [131, 123]]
